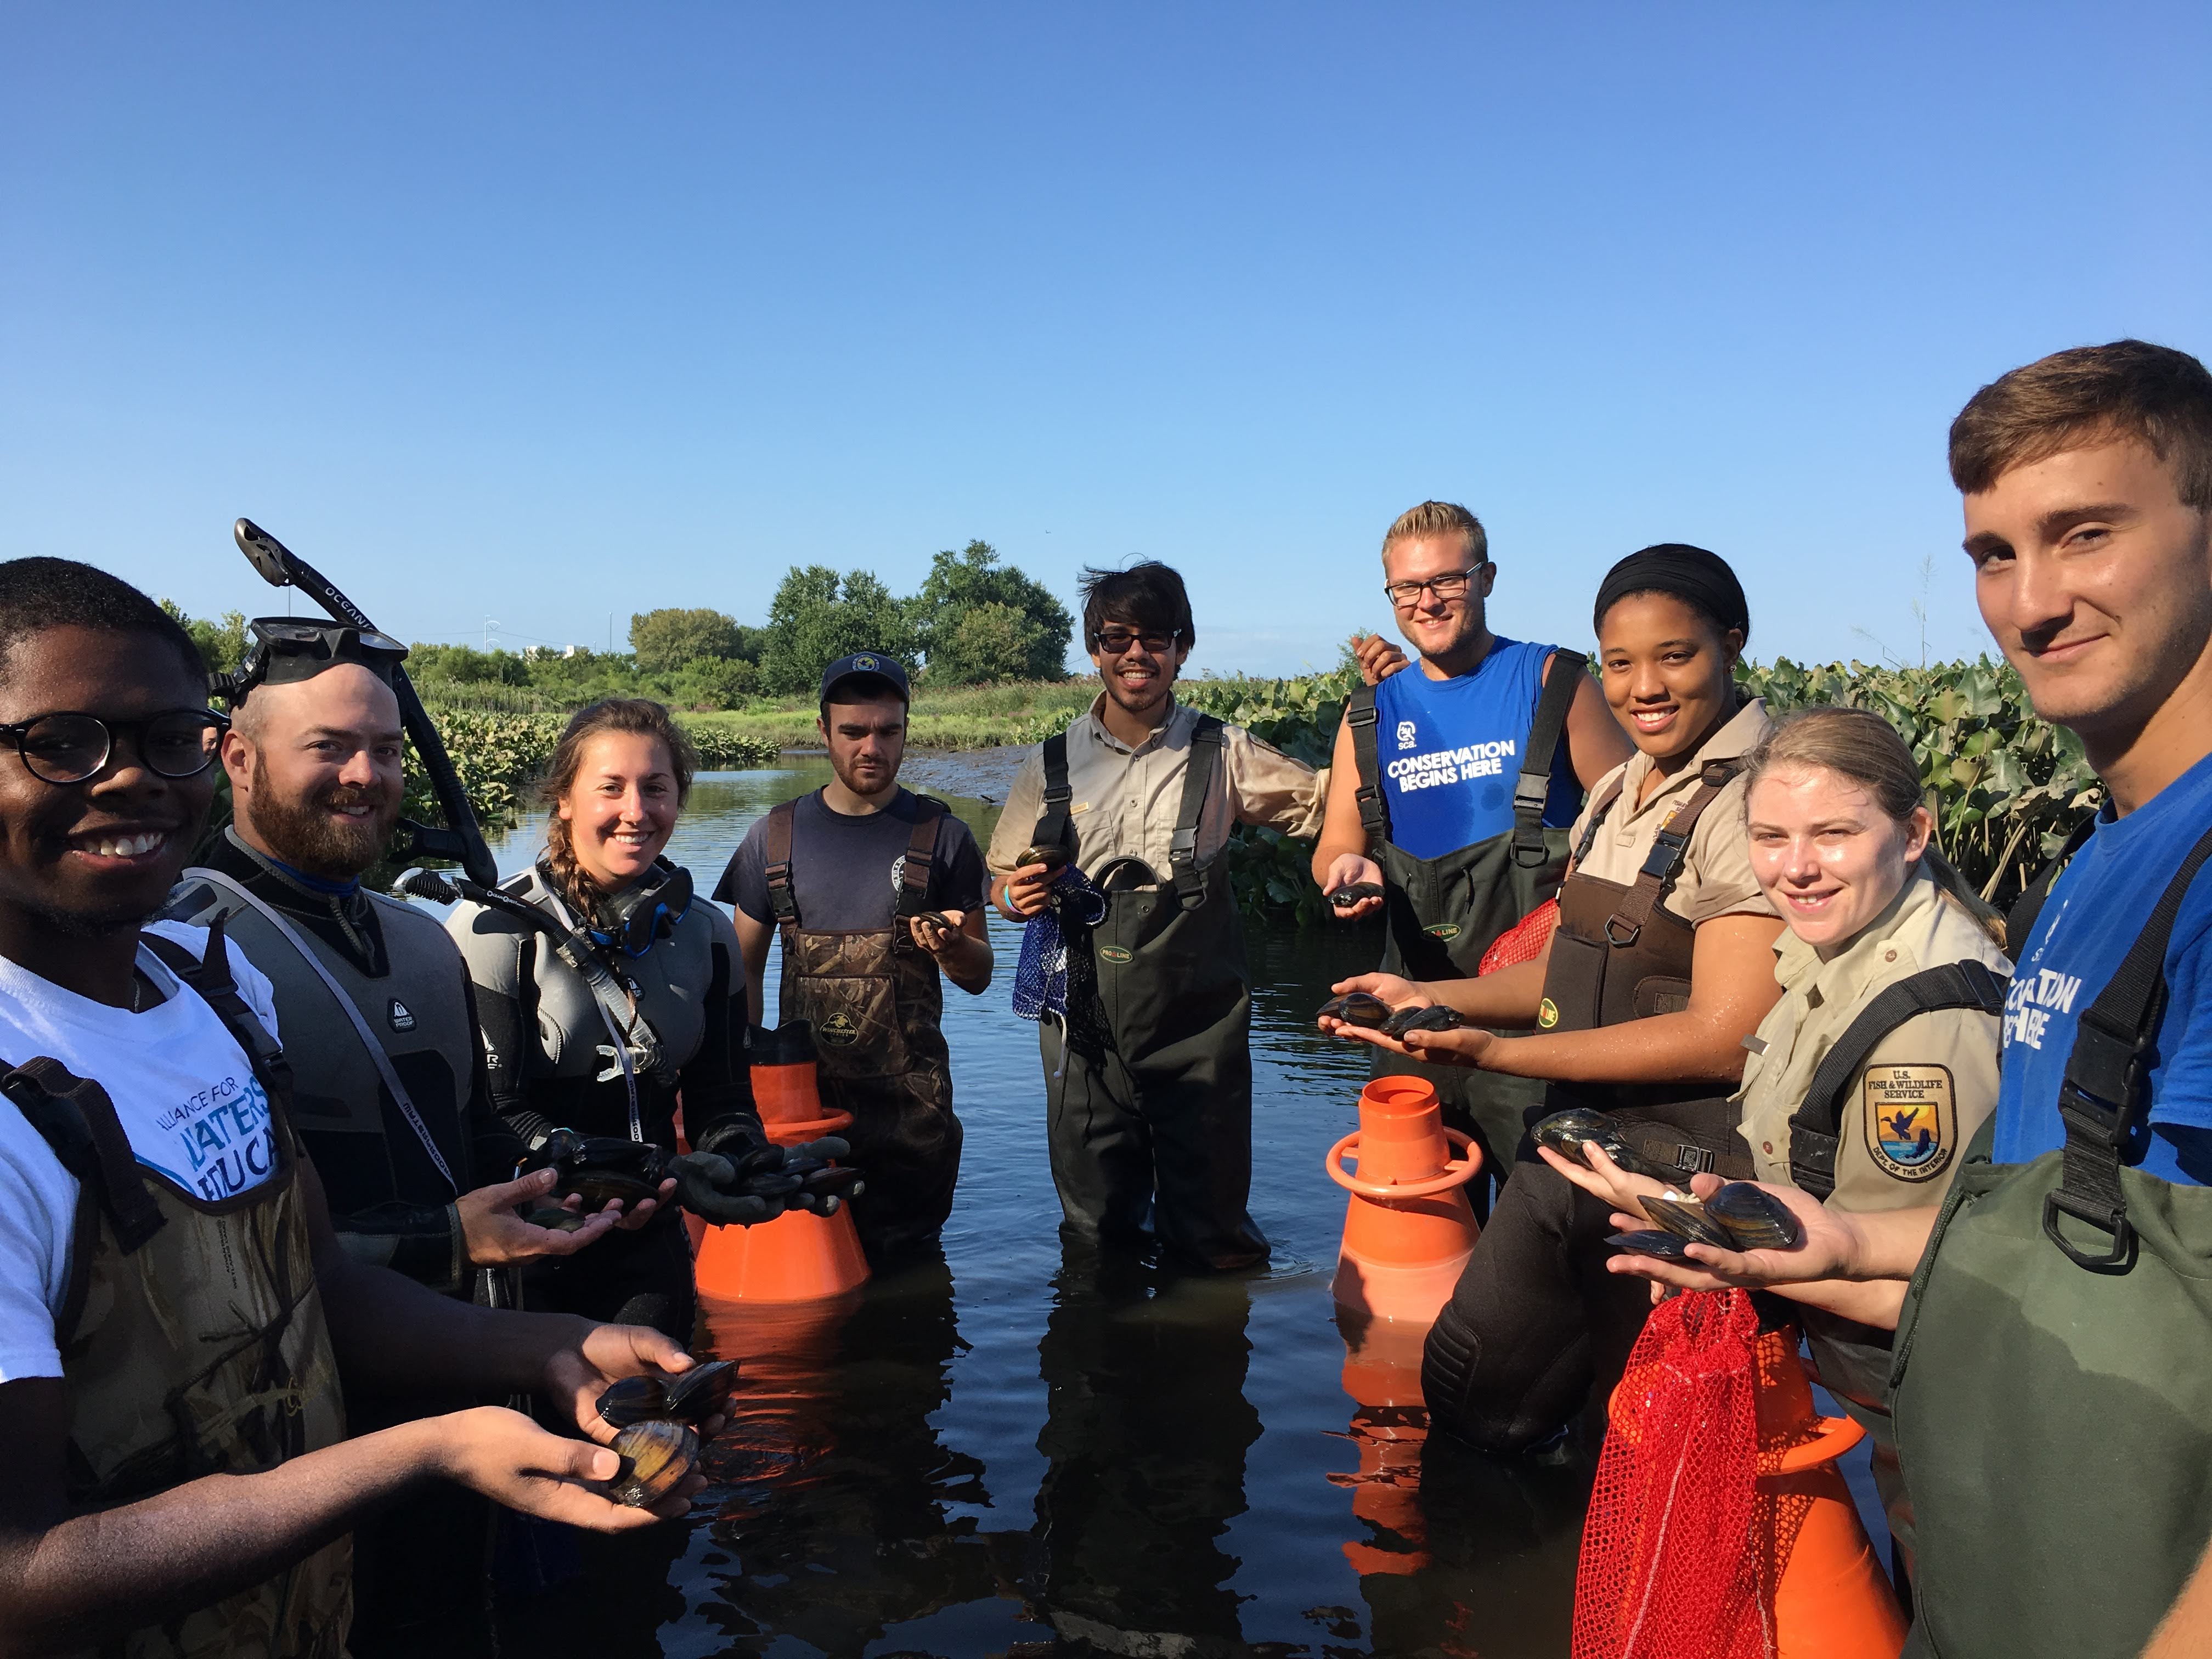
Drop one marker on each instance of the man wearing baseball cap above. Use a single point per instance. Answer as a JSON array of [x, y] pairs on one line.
[[875, 890]]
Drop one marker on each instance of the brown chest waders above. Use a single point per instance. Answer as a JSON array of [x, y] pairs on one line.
[[877, 1004], [192, 1336], [1149, 1090], [2052, 1379], [1441, 913], [1536, 1324]]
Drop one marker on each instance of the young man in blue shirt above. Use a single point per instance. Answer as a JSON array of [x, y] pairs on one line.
[[1454, 785], [2052, 1382]]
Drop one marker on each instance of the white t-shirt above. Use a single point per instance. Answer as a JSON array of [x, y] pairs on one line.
[[187, 1096]]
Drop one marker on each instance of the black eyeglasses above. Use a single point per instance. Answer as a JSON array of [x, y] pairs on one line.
[[68, 748], [1113, 641], [1452, 584]]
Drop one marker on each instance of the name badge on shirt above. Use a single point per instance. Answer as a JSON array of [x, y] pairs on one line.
[[1911, 1121]]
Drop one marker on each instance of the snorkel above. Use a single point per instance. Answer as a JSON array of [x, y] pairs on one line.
[[283, 647]]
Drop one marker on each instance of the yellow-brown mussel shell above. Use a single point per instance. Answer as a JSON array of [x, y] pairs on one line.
[[656, 1457]]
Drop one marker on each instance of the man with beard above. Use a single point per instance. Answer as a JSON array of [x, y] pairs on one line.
[[1149, 1086], [392, 1098], [176, 1314]]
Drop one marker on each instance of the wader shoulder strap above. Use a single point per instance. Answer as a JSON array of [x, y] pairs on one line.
[[1533, 792], [377, 1057], [75, 1117], [2028, 909], [1670, 850], [210, 976], [1052, 824], [1374, 811], [1603, 805], [915, 869], [1816, 1127], [2104, 1076], [1206, 743], [782, 903]]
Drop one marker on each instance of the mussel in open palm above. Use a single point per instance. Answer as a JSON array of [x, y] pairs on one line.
[[1651, 1242], [1356, 1008], [656, 1454], [692, 1397], [1567, 1132], [1754, 1218], [1686, 1219], [1436, 1017], [1353, 892]]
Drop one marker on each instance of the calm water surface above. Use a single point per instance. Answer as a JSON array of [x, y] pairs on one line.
[[1015, 1452]]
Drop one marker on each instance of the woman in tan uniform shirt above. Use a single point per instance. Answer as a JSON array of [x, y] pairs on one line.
[[1660, 968], [1867, 1080]]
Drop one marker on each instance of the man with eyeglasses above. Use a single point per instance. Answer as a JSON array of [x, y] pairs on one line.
[[1149, 1083], [1454, 787], [391, 1099], [178, 1319]]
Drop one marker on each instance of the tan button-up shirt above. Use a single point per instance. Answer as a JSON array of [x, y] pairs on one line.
[[1925, 1088], [1125, 800], [1715, 879]]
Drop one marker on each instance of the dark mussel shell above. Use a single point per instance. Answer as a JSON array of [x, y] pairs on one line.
[[1436, 1017], [1665, 1246], [633, 1399], [656, 1455], [1356, 1008], [553, 1218], [1345, 897], [1052, 857], [940, 920], [1685, 1218], [1755, 1218], [700, 1392], [597, 1188], [1567, 1132]]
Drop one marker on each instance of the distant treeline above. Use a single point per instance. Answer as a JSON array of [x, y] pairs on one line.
[[975, 622]]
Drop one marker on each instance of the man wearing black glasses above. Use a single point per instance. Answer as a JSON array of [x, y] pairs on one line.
[[1149, 1080], [1454, 787], [392, 1098], [176, 1314]]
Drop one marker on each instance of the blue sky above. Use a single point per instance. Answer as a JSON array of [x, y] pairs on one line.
[[548, 313]]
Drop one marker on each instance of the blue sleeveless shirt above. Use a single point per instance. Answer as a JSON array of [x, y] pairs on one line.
[[1451, 751]]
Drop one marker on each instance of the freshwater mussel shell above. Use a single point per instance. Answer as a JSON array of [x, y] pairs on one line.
[[1053, 857], [1567, 1132], [1435, 1017], [555, 1219], [1754, 1218], [1651, 1242], [1345, 897], [699, 1393], [1686, 1219], [1356, 1008], [633, 1399], [656, 1454]]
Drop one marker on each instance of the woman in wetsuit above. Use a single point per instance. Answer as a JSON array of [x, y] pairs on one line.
[[1660, 966], [1867, 1080], [669, 1017]]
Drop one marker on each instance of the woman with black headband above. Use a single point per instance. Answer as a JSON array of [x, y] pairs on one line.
[[1662, 964]]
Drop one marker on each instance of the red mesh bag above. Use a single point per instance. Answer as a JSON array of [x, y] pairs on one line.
[[1669, 1568], [1524, 941]]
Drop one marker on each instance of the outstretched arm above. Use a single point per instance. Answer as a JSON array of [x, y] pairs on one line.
[[1339, 855]]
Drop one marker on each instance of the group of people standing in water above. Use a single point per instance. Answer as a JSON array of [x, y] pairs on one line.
[[289, 1171]]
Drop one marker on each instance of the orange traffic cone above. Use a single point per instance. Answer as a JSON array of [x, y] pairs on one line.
[[1409, 1230], [1830, 1596], [799, 1255]]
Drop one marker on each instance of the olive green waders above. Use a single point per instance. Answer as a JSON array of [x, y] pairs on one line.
[[1441, 913], [878, 1007], [1149, 1090], [2052, 1381]]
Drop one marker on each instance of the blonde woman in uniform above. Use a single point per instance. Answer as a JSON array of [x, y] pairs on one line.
[[1866, 1078]]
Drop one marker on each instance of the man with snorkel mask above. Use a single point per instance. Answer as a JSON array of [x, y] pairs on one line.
[[380, 1025]]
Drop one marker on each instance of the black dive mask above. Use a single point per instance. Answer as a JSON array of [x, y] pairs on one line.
[[644, 916], [286, 649]]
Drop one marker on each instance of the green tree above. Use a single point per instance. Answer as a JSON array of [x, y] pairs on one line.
[[664, 640], [964, 646], [817, 617], [221, 644]]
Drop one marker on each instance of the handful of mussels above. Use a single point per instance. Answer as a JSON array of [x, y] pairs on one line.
[[1739, 1217], [597, 1167], [656, 1441]]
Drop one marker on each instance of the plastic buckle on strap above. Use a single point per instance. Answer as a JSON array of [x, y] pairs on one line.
[[1532, 792], [2117, 1259], [1666, 846], [1361, 713], [1618, 939], [1693, 1160]]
